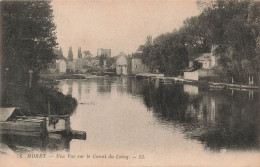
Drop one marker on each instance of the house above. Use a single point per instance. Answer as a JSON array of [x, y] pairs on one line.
[[138, 66], [70, 66], [208, 61], [61, 66], [140, 49], [121, 65]]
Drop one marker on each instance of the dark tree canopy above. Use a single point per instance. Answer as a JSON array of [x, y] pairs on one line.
[[28, 38], [70, 54], [79, 53], [231, 27]]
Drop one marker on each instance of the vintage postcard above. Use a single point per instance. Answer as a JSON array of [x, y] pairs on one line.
[[129, 83]]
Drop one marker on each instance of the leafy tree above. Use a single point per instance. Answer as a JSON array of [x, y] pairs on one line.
[[28, 39], [168, 54], [79, 53], [70, 54], [230, 27], [87, 53], [110, 61], [234, 27], [59, 53]]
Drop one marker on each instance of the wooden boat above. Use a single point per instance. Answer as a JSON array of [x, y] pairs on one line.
[[217, 85], [53, 123], [5, 113], [249, 87], [30, 127], [18, 127], [38, 126], [243, 86], [30, 143]]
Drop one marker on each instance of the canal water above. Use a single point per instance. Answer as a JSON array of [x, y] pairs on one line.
[[143, 121]]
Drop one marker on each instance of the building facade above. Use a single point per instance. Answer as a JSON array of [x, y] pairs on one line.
[[138, 66], [61, 66], [70, 66], [121, 65], [207, 59]]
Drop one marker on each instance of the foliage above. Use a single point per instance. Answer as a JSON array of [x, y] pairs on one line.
[[59, 53], [79, 53], [168, 54], [230, 28], [233, 27], [87, 54], [70, 54], [38, 99], [111, 61], [28, 39]]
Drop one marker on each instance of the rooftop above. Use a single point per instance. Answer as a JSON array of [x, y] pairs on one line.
[[141, 48]]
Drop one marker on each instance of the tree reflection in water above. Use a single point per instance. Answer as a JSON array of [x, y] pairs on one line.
[[220, 119]]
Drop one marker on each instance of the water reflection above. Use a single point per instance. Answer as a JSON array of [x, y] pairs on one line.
[[30, 143], [220, 119]]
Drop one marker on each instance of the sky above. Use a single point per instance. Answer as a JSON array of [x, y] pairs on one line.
[[119, 25]]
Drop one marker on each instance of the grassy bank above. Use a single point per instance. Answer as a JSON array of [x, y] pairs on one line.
[[34, 101], [60, 104]]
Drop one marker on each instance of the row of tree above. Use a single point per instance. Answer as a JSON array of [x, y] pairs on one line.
[[70, 53], [230, 27]]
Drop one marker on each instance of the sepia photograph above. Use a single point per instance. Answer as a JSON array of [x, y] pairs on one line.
[[129, 83]]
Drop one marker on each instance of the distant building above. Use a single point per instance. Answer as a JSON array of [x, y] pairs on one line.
[[61, 66], [70, 66], [121, 65], [105, 52], [208, 61], [140, 49], [138, 66]]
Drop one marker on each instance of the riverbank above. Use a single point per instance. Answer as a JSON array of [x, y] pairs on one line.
[[61, 76], [201, 83], [51, 80]]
